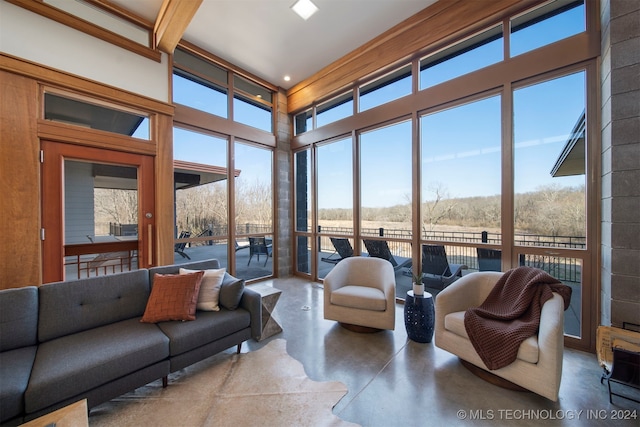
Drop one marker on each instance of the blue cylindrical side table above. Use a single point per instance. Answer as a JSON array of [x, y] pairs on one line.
[[419, 316]]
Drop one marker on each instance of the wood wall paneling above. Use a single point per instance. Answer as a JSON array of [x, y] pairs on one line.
[[19, 178]]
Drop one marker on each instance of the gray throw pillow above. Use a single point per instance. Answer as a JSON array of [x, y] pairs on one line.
[[231, 292]]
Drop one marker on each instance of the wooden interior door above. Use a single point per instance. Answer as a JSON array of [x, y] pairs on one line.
[[56, 243]]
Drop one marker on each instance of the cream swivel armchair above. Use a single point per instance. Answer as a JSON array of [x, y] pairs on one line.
[[360, 293], [538, 366]]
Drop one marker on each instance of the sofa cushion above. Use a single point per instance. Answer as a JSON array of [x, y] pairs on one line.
[[209, 326], [173, 297], [361, 297], [18, 318], [175, 269], [528, 350], [79, 305], [15, 369], [74, 364], [231, 292], [209, 295]]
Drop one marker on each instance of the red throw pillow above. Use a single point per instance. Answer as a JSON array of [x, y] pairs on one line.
[[173, 297]]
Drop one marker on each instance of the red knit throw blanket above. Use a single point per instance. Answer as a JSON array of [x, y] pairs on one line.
[[511, 314]]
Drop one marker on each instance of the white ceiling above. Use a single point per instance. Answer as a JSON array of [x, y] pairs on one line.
[[267, 39]]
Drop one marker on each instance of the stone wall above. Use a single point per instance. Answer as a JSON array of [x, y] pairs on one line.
[[283, 187], [620, 221]]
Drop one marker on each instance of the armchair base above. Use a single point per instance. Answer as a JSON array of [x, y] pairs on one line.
[[491, 378], [359, 329]]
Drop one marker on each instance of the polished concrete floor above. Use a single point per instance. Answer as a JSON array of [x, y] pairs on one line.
[[394, 381]]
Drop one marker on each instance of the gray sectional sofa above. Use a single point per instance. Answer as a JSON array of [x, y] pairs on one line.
[[83, 339]]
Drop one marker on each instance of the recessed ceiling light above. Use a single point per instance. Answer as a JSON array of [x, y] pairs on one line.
[[304, 8], [287, 78]]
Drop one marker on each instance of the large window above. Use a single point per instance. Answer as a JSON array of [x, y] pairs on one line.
[[549, 163], [201, 210], [254, 210], [335, 169], [461, 172]]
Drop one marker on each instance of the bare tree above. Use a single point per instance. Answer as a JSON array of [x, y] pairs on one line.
[[436, 209]]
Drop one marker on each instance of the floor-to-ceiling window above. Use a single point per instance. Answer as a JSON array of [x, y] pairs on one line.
[[549, 182], [491, 169], [223, 155]]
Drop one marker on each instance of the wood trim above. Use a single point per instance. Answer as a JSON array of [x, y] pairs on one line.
[[438, 24], [86, 27], [123, 13], [62, 132], [164, 193], [220, 125], [88, 87], [172, 21]]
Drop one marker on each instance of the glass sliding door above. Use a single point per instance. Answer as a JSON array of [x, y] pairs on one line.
[[549, 182]]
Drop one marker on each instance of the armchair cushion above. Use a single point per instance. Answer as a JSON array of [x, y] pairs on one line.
[[359, 297], [528, 350]]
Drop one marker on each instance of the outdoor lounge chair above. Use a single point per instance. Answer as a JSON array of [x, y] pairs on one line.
[[489, 259], [179, 247], [380, 249], [343, 249], [437, 272], [258, 246]]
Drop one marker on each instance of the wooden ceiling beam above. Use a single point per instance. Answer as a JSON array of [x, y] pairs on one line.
[[172, 21]]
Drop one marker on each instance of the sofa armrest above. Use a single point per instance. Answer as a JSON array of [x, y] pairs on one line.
[[252, 302]]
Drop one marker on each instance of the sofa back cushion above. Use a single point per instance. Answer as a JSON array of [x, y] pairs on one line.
[[75, 306], [18, 318], [175, 268]]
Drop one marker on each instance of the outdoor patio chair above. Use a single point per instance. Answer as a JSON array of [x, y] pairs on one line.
[[489, 259], [239, 247], [437, 272], [380, 249], [343, 249], [179, 247], [258, 246]]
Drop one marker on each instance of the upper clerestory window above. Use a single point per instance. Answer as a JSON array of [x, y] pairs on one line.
[[547, 24], [62, 109], [472, 54], [386, 89], [334, 109]]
